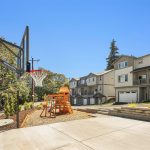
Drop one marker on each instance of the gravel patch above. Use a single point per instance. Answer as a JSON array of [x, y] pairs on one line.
[[34, 119]]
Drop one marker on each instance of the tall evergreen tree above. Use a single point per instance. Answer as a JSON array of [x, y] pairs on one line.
[[113, 55]]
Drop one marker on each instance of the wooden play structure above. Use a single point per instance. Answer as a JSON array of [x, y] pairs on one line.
[[57, 103]]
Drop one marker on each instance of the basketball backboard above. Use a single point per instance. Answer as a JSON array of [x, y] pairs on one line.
[[20, 53]]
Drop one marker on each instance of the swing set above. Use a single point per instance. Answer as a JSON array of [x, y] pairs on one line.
[[57, 103]]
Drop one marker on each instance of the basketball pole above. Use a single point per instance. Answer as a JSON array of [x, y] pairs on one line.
[[32, 62], [19, 64]]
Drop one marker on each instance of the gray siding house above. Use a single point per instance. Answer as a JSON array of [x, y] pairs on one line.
[[93, 88]]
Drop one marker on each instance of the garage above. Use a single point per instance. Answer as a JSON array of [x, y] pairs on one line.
[[128, 96], [75, 101], [92, 101], [84, 101]]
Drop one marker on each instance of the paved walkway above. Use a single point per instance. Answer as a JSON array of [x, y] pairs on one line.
[[99, 133]]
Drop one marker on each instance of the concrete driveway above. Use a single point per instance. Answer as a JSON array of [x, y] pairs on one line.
[[99, 133]]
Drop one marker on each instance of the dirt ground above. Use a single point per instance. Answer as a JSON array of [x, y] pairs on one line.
[[22, 115], [34, 119]]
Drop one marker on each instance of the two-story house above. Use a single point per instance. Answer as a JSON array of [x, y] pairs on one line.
[[141, 77], [93, 88], [125, 90]]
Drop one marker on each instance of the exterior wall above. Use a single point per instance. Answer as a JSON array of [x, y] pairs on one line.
[[126, 89], [129, 59], [100, 79], [109, 91], [142, 62], [91, 81], [73, 84], [123, 72], [108, 86], [102, 83]]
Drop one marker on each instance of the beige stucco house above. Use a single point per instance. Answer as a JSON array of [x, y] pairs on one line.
[[141, 77], [132, 79]]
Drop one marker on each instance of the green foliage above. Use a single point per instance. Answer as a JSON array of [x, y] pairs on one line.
[[11, 105], [6, 106], [40, 106], [113, 55], [132, 105], [20, 107], [26, 106], [9, 83], [51, 84], [31, 104]]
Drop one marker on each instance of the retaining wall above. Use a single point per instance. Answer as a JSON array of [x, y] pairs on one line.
[[139, 113]]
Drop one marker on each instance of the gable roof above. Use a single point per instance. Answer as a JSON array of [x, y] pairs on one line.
[[104, 72], [143, 56], [74, 79], [123, 56]]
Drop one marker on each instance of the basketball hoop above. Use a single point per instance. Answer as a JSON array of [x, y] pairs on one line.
[[38, 76]]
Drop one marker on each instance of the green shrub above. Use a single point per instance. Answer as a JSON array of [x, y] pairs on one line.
[[31, 105], [132, 105], [11, 105], [26, 106], [6, 106], [20, 107], [39, 106]]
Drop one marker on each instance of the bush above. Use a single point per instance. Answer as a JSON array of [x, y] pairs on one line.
[[11, 105], [31, 105], [26, 106], [20, 107], [39, 107], [6, 106], [132, 105]]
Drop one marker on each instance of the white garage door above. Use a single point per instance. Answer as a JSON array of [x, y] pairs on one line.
[[75, 101], [84, 101], [128, 96], [92, 101]]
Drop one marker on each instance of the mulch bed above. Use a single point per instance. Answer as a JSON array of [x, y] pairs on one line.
[[22, 115], [34, 119]]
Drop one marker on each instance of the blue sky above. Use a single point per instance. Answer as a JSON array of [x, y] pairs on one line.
[[73, 36]]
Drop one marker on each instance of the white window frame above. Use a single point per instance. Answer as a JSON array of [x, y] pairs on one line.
[[123, 78], [82, 81], [123, 64]]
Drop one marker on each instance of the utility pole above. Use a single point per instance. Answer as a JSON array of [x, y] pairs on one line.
[[32, 62]]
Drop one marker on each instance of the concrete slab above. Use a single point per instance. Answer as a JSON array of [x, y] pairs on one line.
[[38, 138], [102, 132], [75, 146], [85, 129]]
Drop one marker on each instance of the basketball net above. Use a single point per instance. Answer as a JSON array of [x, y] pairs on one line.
[[38, 77]]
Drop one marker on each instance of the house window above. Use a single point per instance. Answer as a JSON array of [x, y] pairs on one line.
[[100, 77], [82, 81], [140, 61], [142, 77], [122, 65], [93, 79], [85, 92], [123, 78]]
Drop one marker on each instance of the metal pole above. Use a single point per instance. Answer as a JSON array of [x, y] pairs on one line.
[[32, 61], [17, 114], [18, 76], [32, 81]]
